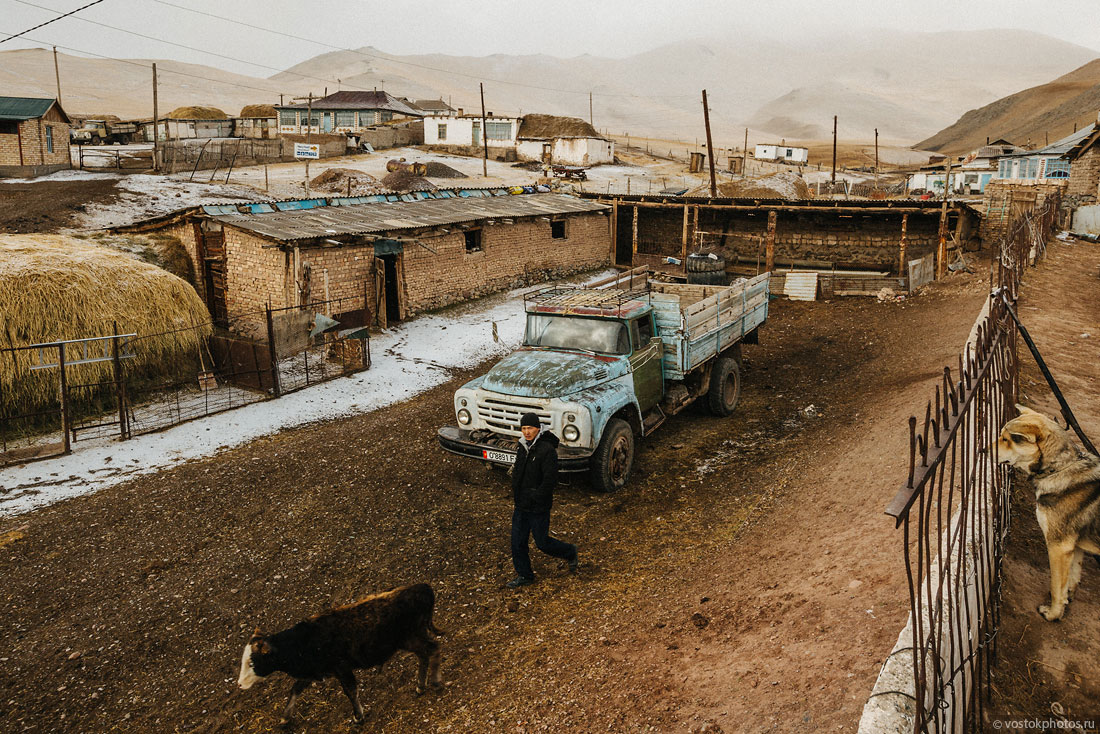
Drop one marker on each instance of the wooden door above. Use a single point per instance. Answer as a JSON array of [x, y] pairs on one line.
[[380, 292]]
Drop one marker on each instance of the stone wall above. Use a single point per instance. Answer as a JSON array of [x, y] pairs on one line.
[[1084, 179], [1002, 199]]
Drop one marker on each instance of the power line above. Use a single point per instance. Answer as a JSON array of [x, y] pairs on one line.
[[52, 20], [185, 46], [414, 64]]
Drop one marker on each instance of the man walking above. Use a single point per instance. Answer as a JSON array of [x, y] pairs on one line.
[[534, 478]]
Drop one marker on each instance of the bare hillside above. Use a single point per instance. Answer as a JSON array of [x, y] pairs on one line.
[[1048, 111]]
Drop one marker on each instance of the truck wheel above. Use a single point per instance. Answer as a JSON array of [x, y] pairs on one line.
[[725, 386], [613, 460]]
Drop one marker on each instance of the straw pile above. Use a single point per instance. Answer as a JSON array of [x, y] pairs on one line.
[[56, 287], [197, 113], [258, 110], [548, 127], [347, 181]]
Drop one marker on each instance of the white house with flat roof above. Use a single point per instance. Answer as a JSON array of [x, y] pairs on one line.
[[781, 152]]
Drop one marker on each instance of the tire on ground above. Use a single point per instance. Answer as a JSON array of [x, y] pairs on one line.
[[725, 386], [614, 457]]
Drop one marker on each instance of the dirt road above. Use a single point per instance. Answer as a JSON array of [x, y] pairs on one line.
[[746, 576]]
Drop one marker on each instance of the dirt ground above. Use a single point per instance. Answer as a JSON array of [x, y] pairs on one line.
[[747, 575], [1048, 670], [47, 206]]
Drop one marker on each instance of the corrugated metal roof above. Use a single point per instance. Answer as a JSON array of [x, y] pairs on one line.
[[332, 221], [351, 100], [1058, 147], [23, 108]]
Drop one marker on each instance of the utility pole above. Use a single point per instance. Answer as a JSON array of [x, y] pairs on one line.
[[876, 158], [710, 146], [484, 134], [941, 252], [156, 123], [833, 179], [57, 75], [745, 155], [309, 128], [590, 109], [280, 100]]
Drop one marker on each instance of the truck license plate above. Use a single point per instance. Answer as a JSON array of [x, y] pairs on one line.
[[500, 456]]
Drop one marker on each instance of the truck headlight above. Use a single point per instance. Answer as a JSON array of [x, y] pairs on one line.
[[571, 433], [464, 417]]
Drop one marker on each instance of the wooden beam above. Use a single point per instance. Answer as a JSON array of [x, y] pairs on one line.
[[901, 248], [787, 208], [634, 237], [615, 232], [769, 256], [684, 238]]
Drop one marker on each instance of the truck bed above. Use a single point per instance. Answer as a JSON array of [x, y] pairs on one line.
[[697, 322]]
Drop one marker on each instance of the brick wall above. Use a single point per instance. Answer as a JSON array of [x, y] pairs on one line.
[[512, 255], [1002, 198], [33, 134], [1084, 178], [256, 273], [856, 240]]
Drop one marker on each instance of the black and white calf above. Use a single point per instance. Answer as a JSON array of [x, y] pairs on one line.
[[337, 643]]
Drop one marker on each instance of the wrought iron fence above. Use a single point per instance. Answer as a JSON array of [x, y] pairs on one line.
[[954, 507]]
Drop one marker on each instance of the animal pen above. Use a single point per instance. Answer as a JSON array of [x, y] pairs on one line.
[[141, 391], [953, 511]]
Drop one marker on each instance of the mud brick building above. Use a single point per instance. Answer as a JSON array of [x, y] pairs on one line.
[[1084, 174], [401, 254], [1005, 200], [853, 234], [34, 137]]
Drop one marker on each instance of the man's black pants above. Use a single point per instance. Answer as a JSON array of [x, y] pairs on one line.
[[526, 524]]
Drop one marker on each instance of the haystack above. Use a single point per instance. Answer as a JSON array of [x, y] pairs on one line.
[[549, 127], [258, 110], [197, 113], [56, 287]]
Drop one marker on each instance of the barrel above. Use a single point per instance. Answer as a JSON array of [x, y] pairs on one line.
[[706, 269]]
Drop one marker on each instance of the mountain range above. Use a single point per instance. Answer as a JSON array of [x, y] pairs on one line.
[[906, 84]]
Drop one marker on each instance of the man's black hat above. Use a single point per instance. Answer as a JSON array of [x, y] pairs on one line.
[[529, 419]]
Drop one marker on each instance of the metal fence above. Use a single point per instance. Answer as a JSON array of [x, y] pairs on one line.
[[126, 158], [124, 385], [954, 507]]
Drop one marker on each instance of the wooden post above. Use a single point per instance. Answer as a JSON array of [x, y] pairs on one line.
[[57, 75], [941, 250], [272, 354], [265, 178], [769, 254], [484, 134], [590, 109], [833, 179], [156, 115], [901, 248], [615, 231], [710, 146], [876, 158], [745, 155], [309, 129], [634, 236], [65, 418], [684, 239]]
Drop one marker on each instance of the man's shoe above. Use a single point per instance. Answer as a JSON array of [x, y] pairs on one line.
[[519, 581], [574, 562]]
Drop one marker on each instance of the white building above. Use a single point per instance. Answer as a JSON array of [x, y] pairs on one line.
[[781, 152], [441, 128], [566, 141]]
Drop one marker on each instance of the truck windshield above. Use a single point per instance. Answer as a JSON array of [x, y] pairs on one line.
[[569, 332]]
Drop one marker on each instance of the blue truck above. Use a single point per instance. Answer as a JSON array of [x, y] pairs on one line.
[[605, 365]]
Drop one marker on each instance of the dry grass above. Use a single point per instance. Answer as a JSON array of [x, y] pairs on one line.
[[258, 110], [554, 126], [197, 113], [55, 287]]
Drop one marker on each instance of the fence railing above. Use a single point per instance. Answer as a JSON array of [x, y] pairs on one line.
[[117, 159], [954, 507], [55, 395]]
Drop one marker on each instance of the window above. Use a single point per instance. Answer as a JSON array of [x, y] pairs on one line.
[[1057, 168], [49, 138], [387, 116], [473, 240], [790, 153], [9, 127], [642, 329], [345, 118], [288, 118], [557, 229], [442, 135], [498, 131], [602, 336]]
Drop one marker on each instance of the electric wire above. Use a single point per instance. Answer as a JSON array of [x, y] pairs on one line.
[[52, 20]]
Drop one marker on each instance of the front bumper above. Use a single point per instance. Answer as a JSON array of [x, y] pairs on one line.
[[462, 442]]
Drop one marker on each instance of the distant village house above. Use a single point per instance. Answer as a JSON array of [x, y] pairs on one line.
[[345, 112], [34, 137], [781, 152], [549, 139]]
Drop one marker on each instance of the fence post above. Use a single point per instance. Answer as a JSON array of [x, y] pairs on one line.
[[272, 352], [64, 398], [120, 385]]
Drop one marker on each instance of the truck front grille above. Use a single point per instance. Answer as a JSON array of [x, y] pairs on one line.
[[502, 416]]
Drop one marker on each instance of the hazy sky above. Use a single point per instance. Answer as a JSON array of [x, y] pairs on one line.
[[479, 28]]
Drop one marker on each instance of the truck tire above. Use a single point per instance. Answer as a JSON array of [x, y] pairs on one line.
[[725, 386], [702, 269], [614, 458]]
